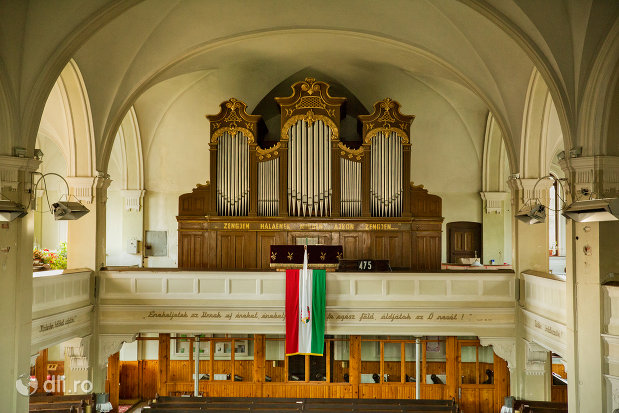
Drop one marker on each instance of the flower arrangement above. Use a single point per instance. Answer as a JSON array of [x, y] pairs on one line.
[[51, 260]]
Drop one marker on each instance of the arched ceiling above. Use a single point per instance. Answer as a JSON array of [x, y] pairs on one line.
[[123, 48]]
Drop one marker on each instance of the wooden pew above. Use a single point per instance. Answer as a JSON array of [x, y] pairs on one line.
[[170, 404], [533, 406]]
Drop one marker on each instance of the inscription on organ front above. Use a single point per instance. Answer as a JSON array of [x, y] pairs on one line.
[[236, 225], [306, 226]]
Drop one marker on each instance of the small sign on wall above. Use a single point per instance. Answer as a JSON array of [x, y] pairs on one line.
[[156, 244]]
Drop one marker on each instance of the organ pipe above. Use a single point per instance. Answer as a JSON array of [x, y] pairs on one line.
[[386, 185], [309, 172], [268, 188], [233, 175]]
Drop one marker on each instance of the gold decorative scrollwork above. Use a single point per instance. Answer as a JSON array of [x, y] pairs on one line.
[[269, 153], [310, 86], [386, 118], [307, 102], [309, 117], [233, 131], [233, 118], [372, 134], [352, 154]]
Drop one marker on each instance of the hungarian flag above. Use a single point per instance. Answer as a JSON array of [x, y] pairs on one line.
[[305, 311]]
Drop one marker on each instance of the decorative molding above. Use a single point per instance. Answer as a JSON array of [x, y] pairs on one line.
[[597, 174], [504, 347], [531, 189], [33, 359], [10, 166], [81, 187], [233, 118], [112, 343], [386, 118], [84, 187], [85, 344], [133, 199], [536, 359], [612, 391], [494, 201]]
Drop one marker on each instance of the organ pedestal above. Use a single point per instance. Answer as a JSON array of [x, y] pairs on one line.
[[309, 184]]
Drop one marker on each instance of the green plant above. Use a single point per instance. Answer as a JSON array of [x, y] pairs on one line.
[[56, 259]]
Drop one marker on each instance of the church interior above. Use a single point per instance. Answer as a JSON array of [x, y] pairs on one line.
[[453, 165]]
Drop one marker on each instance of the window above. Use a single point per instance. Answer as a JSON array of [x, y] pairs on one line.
[[476, 363]]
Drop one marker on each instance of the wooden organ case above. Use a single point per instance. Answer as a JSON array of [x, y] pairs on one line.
[[309, 185]]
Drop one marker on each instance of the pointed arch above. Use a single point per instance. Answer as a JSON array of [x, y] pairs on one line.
[[131, 142], [542, 136], [494, 163], [67, 120]]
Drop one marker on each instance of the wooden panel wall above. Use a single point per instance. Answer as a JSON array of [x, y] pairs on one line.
[[163, 364], [144, 378], [207, 241], [113, 378]]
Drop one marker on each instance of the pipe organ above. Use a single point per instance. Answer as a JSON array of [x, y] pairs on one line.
[[311, 184]]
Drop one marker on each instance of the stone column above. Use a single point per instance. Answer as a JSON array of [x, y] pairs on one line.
[[133, 224], [86, 249], [530, 240], [16, 242], [537, 369], [530, 246], [591, 257], [86, 236]]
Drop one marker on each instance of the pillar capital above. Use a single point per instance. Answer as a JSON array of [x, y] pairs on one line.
[[597, 174], [85, 188], [11, 166], [494, 201], [133, 199], [536, 359], [527, 189]]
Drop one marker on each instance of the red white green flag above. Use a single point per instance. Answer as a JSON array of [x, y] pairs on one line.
[[305, 311]]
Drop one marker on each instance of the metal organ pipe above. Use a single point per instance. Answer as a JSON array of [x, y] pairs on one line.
[[386, 175], [309, 172], [268, 188], [233, 175]]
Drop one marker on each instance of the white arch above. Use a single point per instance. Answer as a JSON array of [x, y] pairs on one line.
[[67, 120], [596, 108], [131, 147], [540, 136]]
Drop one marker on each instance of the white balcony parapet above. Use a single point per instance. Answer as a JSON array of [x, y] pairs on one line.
[[62, 306], [543, 310], [397, 303]]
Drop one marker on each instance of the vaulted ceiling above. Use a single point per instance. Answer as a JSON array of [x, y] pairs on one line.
[[474, 54]]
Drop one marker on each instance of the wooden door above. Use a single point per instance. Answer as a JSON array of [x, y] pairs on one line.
[[476, 390], [463, 240]]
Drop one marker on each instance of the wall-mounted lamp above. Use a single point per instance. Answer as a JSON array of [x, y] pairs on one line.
[[63, 210], [561, 156], [534, 214], [10, 210], [593, 210]]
